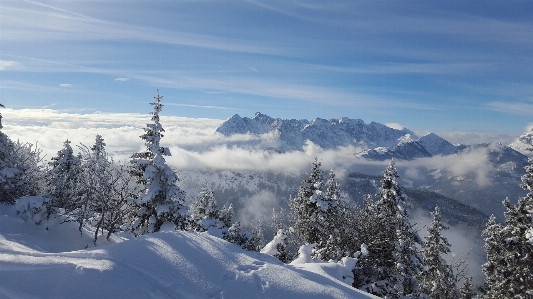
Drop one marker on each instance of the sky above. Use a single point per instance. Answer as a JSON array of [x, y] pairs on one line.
[[436, 66]]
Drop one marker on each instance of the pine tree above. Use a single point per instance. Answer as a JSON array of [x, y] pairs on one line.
[[204, 213], [95, 184], [467, 290], [393, 263], [333, 228], [162, 200], [63, 180], [305, 211], [509, 247], [278, 247], [438, 280], [493, 270]]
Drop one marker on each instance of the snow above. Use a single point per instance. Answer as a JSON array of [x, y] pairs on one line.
[[437, 145], [292, 134], [341, 270], [54, 260], [529, 235], [271, 247]]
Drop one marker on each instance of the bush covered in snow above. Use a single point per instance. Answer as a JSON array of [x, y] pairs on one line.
[[32, 208]]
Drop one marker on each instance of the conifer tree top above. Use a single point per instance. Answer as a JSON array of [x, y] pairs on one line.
[[157, 107]]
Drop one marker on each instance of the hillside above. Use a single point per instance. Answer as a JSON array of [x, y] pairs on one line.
[[49, 261]]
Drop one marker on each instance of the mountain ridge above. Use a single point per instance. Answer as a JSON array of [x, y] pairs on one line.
[[332, 133]]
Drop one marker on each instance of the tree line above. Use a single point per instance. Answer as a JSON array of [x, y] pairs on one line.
[[390, 258]]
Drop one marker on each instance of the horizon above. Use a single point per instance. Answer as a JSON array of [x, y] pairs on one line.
[[186, 137], [433, 67]]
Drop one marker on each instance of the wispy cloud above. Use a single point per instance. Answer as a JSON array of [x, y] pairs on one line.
[[204, 107], [515, 108], [255, 70], [55, 23], [122, 79], [66, 85], [59, 9], [5, 65]]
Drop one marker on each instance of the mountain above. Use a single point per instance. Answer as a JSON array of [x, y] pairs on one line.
[[292, 134], [402, 151], [379, 142], [524, 144], [436, 145]]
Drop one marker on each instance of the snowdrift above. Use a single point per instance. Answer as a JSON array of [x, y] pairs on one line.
[[36, 263]]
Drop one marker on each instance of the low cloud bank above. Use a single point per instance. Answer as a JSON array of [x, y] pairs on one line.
[[195, 144]]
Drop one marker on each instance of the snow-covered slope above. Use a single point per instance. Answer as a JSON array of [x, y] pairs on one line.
[[330, 133], [524, 144], [437, 145], [36, 262], [402, 151]]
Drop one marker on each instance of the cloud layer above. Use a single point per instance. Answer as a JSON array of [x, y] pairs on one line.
[[195, 145]]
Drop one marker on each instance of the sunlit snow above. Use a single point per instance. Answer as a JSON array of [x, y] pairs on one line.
[[53, 260]]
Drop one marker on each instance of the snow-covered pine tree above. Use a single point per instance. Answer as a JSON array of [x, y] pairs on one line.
[[509, 247], [233, 233], [467, 290], [393, 263], [438, 280], [162, 200], [283, 244], [95, 185], [304, 207], [278, 247], [315, 214], [333, 220], [63, 179], [493, 270], [509, 253], [204, 213]]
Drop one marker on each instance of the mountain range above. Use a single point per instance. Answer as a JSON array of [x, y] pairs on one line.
[[374, 141], [503, 164], [292, 134]]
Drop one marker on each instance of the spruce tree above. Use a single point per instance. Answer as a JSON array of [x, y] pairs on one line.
[[438, 280], [305, 210], [162, 200], [332, 224], [467, 290], [63, 179], [96, 184], [204, 213], [509, 247], [393, 263], [493, 270]]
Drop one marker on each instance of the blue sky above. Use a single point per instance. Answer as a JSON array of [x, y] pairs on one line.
[[453, 65]]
